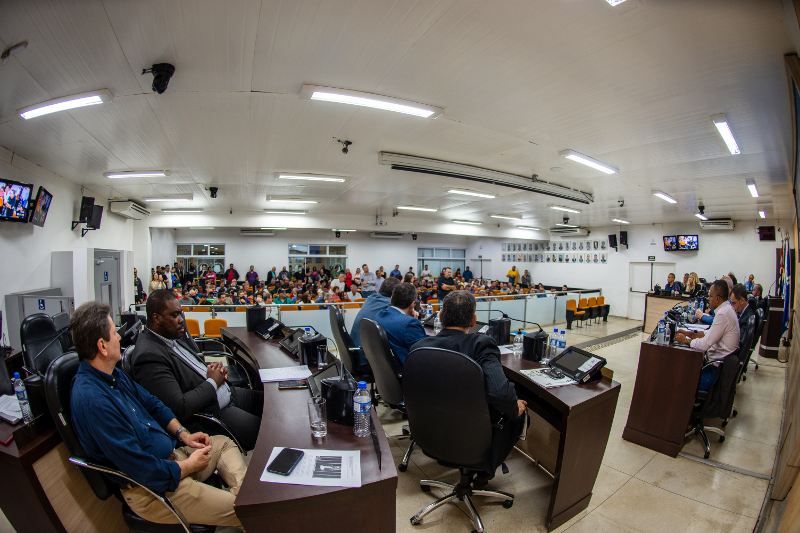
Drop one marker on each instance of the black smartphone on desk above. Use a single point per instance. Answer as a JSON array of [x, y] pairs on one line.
[[285, 462]]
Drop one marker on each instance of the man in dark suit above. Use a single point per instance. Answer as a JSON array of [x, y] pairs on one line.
[[457, 317], [168, 368], [400, 322], [740, 305]]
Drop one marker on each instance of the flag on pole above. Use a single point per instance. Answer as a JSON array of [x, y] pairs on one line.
[[786, 274]]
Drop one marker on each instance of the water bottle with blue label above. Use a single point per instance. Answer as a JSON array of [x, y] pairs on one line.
[[562, 341], [22, 398], [517, 348], [362, 406], [660, 336]]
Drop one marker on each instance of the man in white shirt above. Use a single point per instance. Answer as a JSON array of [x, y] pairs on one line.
[[721, 339], [367, 282], [339, 282], [426, 274]]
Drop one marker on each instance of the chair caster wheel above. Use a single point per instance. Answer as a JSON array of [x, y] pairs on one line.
[[724, 423], [756, 366], [415, 522], [735, 412], [401, 467], [507, 504], [406, 431], [425, 488], [722, 438], [744, 378], [706, 455]]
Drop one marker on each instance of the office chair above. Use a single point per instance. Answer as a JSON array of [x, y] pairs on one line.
[[445, 397], [573, 313], [583, 305], [58, 387], [348, 351], [192, 325], [717, 402], [594, 311], [388, 372], [237, 352], [61, 322], [212, 326], [40, 343], [758, 317]]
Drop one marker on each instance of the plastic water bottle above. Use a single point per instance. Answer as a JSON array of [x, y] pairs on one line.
[[518, 344], [437, 325], [430, 310], [362, 405], [553, 345], [666, 333], [562, 341], [308, 333], [22, 398], [701, 306], [660, 336]]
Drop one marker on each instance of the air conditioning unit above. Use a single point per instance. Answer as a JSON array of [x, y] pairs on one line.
[[386, 235], [569, 232], [254, 232], [720, 223], [128, 210]]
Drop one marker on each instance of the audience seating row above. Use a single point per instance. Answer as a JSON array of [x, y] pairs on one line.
[[590, 309]]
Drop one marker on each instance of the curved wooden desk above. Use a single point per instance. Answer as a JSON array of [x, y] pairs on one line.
[[278, 507]]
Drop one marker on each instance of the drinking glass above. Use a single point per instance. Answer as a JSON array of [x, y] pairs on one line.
[[322, 356], [317, 417]]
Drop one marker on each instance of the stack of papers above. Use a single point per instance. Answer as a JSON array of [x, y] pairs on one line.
[[9, 409], [543, 380], [695, 327], [320, 468], [289, 373]]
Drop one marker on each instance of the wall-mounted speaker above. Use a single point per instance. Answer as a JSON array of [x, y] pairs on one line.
[[87, 208], [623, 238], [612, 241]]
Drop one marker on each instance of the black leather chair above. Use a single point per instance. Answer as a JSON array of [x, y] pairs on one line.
[[213, 347], [58, 385], [762, 320], [445, 397], [238, 353], [388, 372], [61, 322], [40, 343], [758, 317], [717, 402], [348, 351]]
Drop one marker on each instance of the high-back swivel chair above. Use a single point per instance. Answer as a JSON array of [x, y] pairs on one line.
[[445, 397], [348, 351]]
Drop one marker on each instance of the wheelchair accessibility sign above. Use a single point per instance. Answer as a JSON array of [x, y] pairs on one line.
[[41, 304]]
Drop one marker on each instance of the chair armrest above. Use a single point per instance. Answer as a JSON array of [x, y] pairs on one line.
[[224, 427], [355, 349], [84, 463]]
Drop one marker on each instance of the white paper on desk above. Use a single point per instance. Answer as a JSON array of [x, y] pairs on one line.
[[10, 410], [540, 378], [506, 348], [320, 468], [695, 327], [289, 373]]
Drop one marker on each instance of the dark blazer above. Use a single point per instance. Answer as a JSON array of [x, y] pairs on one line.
[[746, 314], [402, 330], [164, 375]]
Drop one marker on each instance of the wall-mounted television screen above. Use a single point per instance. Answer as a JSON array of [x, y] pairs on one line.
[[41, 207], [670, 243], [15, 197], [687, 242]]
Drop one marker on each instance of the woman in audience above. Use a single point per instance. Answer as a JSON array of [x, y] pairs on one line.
[[156, 283], [336, 294], [356, 281], [348, 277], [304, 298]]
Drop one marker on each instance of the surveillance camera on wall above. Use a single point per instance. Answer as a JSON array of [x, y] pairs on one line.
[[566, 219], [414, 236], [162, 73], [338, 234], [345, 144], [213, 191]]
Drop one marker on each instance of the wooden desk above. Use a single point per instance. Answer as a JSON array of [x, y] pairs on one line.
[[663, 396], [655, 305], [568, 434], [277, 507]]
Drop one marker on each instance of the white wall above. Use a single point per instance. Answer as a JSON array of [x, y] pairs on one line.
[[163, 246], [719, 252], [26, 248]]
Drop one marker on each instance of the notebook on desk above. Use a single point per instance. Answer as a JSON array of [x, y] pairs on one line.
[[9, 409]]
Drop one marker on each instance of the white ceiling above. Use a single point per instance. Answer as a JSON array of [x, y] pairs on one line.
[[633, 86]]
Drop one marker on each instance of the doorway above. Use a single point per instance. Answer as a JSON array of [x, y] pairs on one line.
[[107, 288], [643, 276]]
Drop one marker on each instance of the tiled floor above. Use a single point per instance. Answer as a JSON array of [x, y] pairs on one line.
[[636, 489]]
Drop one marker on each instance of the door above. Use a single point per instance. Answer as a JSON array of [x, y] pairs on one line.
[[640, 282], [107, 288]]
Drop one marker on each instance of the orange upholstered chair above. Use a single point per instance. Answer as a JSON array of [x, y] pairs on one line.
[[573, 313], [212, 326], [193, 326]]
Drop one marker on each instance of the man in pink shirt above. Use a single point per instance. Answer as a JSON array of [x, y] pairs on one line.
[[721, 339]]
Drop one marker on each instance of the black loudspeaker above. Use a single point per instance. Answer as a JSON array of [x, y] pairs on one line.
[[501, 330], [254, 316], [623, 238], [97, 215], [612, 241], [87, 209], [534, 346]]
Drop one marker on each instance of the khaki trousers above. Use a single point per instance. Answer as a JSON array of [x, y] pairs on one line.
[[199, 503]]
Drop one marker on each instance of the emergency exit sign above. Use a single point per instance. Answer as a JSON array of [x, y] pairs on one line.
[[651, 258]]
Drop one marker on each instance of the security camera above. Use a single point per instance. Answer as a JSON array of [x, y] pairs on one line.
[[213, 191], [338, 234], [414, 236], [345, 144], [621, 202], [162, 73], [566, 219]]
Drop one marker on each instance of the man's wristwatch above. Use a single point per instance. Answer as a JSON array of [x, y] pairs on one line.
[[178, 433]]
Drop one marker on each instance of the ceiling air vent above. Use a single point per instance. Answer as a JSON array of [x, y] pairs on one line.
[[386, 235], [569, 232], [720, 223], [255, 232]]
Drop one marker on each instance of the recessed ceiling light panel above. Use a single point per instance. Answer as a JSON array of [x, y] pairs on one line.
[[376, 101], [170, 198], [701, 216], [309, 177], [415, 208], [344, 230], [187, 210], [291, 201], [67, 102], [751, 186], [562, 208], [470, 193], [615, 2], [529, 227], [137, 174], [588, 161], [620, 221], [762, 214], [565, 225], [721, 122], [271, 212], [508, 217], [471, 222], [664, 196]]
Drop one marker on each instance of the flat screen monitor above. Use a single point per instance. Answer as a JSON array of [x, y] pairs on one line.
[[41, 207], [670, 243], [15, 198], [687, 242]]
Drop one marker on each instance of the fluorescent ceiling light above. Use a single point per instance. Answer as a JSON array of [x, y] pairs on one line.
[[202, 227], [562, 208], [267, 211], [701, 216], [137, 174], [377, 101], [588, 161], [528, 227], [506, 217], [566, 225], [615, 2], [291, 201], [620, 221], [725, 130], [273, 228], [751, 184], [762, 214], [172, 198], [664, 196], [343, 230], [67, 102], [414, 208], [308, 177], [467, 222], [190, 210], [435, 167], [470, 193]]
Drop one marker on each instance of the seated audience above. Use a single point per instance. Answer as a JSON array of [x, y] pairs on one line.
[[120, 424], [353, 293], [400, 320], [458, 316]]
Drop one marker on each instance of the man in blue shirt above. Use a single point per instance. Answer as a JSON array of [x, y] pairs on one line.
[[118, 423], [468, 276], [400, 322], [371, 307], [396, 272]]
